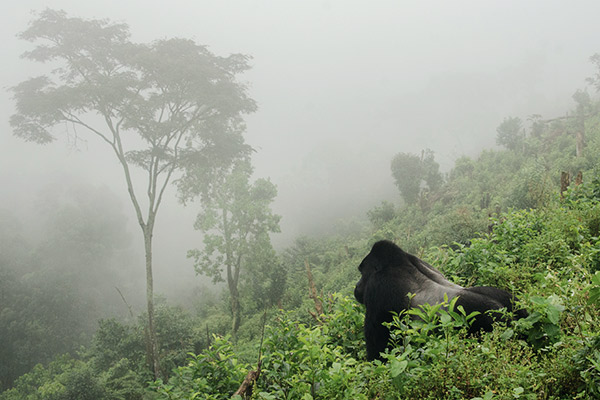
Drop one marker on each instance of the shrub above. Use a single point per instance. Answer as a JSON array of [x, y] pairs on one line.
[[213, 374]]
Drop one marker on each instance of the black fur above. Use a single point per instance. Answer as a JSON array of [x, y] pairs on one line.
[[388, 274]]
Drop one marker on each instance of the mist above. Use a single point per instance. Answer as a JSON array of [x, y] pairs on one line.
[[341, 87]]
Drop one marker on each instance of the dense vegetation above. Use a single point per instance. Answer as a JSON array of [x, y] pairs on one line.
[[499, 219], [551, 256]]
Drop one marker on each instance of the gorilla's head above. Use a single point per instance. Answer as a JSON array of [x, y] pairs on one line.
[[384, 254]]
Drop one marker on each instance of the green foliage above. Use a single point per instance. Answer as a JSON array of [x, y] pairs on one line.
[[410, 171], [114, 366], [595, 59], [407, 173], [434, 359], [63, 379], [54, 289], [135, 86], [587, 363], [524, 175], [114, 342], [382, 214], [531, 187], [431, 358], [509, 133], [299, 361], [117, 347], [542, 325], [594, 290], [236, 220], [553, 353], [334, 266], [316, 362], [213, 374]]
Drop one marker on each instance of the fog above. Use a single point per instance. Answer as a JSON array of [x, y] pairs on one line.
[[341, 87]]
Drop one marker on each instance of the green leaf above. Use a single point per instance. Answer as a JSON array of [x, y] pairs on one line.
[[445, 318], [487, 396], [551, 330], [553, 314], [596, 278], [397, 367], [537, 300], [507, 334], [594, 295]]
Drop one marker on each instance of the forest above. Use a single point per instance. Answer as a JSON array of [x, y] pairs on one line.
[[523, 216]]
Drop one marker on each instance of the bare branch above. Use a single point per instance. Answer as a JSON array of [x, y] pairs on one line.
[[69, 117]]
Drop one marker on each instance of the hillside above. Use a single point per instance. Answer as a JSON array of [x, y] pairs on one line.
[[500, 219]]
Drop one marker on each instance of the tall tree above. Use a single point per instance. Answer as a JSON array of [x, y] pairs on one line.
[[162, 106], [237, 220], [431, 171], [410, 172], [510, 133], [583, 110]]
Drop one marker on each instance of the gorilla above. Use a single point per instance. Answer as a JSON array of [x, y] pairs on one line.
[[388, 274]]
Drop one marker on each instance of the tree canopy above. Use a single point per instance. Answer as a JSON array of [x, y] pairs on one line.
[[411, 171], [509, 133]]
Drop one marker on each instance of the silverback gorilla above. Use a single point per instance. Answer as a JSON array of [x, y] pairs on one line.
[[388, 274]]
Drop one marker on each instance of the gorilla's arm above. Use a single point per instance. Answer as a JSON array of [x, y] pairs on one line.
[[382, 296]]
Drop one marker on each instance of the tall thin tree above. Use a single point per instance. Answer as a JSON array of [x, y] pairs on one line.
[[236, 219], [164, 107]]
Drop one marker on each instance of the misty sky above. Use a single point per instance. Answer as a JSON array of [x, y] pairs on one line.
[[341, 86]]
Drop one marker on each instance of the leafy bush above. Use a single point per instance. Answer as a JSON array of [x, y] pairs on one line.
[[213, 374], [587, 363], [542, 326], [303, 362], [63, 379]]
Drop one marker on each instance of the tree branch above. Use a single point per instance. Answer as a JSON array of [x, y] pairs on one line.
[[69, 117]]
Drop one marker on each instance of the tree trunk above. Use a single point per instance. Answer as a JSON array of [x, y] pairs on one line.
[[579, 178], [245, 389], [580, 133], [232, 276], [564, 183], [579, 141], [153, 356], [235, 310]]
